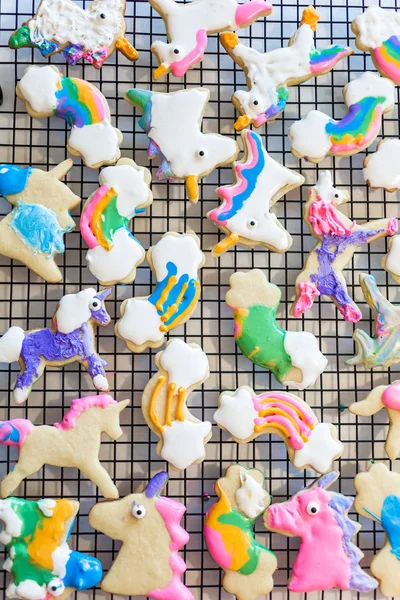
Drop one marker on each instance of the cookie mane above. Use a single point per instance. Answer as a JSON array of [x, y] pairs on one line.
[[81, 405]]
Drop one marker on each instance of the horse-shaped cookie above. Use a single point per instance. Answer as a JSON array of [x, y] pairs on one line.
[[70, 339], [75, 442], [148, 525]]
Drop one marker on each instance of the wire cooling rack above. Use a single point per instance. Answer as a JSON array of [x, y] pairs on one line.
[[26, 301]]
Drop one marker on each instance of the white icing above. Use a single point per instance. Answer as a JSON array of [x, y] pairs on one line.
[[175, 127], [183, 251], [140, 323], [27, 590], [250, 497], [117, 263], [38, 86], [184, 364], [377, 25], [183, 443], [20, 394], [130, 185], [73, 310], [60, 558], [393, 256], [236, 413], [12, 523], [308, 136], [97, 143], [370, 84], [320, 450], [100, 383], [7, 564], [383, 167], [11, 344], [47, 506], [305, 354], [65, 22]]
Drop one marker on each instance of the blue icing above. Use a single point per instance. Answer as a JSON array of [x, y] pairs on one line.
[[82, 571], [38, 227], [13, 179], [391, 522]]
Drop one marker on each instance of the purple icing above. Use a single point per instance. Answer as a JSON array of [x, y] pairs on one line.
[[156, 484], [349, 118]]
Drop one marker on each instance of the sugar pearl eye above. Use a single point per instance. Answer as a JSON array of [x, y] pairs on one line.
[[95, 304], [252, 223], [201, 153], [255, 102], [56, 587], [336, 195], [138, 511], [176, 50], [312, 508], [102, 16]]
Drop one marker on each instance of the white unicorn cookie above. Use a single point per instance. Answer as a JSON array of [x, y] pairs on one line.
[[188, 27], [247, 415], [391, 260], [244, 214], [114, 253], [269, 75], [172, 123], [33, 232], [367, 99], [175, 261], [93, 34], [181, 368], [47, 92], [382, 168]]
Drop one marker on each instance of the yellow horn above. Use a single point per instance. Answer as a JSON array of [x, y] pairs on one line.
[[310, 17], [161, 71], [229, 40], [242, 122], [127, 49], [192, 186]]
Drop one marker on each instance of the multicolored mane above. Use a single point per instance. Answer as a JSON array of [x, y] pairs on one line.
[[79, 102], [14, 432], [81, 405], [326, 58], [387, 57]]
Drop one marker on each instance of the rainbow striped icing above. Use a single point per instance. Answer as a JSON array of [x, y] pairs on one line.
[[79, 102], [324, 59], [387, 58]]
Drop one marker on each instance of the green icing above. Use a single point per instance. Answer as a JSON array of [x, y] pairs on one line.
[[112, 220]]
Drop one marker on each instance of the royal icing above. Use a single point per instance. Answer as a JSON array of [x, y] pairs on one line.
[[338, 239], [382, 168], [41, 564], [173, 125], [268, 75], [114, 253], [48, 92], [367, 98], [292, 356], [70, 339], [188, 26], [320, 518], [175, 260], [63, 26], [260, 181], [247, 415], [391, 261]]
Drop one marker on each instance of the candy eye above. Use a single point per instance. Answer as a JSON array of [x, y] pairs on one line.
[[176, 50], [102, 16], [201, 153], [255, 102], [312, 508], [56, 587], [252, 223], [336, 195], [95, 304], [138, 511]]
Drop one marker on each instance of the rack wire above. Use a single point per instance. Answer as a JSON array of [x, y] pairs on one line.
[[26, 301]]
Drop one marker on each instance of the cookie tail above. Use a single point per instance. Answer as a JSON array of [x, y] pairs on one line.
[[11, 345]]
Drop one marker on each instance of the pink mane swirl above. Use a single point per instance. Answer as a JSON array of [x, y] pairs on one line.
[[81, 405], [325, 219]]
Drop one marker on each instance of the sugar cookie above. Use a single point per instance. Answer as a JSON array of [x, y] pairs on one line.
[[93, 34], [327, 557], [292, 356], [47, 92], [391, 261], [229, 532], [382, 350], [70, 339], [246, 416], [33, 232], [378, 498], [316, 135], [378, 32], [338, 238], [41, 564], [175, 261], [148, 526], [382, 168], [114, 253], [260, 182], [188, 27], [75, 442], [172, 123], [181, 368], [269, 75]]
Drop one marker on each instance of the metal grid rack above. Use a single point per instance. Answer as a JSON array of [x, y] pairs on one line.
[[26, 301]]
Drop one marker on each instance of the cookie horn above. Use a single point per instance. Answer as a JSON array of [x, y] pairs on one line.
[[122, 405], [242, 122], [127, 49], [139, 98], [161, 71], [224, 245], [192, 186], [103, 294], [62, 169]]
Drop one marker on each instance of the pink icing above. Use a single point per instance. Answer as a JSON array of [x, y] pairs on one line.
[[14, 432], [324, 219], [393, 226], [351, 313], [391, 396], [295, 438], [249, 12], [180, 67], [308, 416], [365, 141], [391, 69], [308, 291], [216, 547], [329, 64], [86, 217], [81, 405]]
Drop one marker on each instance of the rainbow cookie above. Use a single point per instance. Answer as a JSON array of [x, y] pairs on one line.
[[367, 98], [48, 92]]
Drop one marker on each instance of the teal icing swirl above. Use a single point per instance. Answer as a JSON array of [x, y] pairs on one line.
[[38, 228]]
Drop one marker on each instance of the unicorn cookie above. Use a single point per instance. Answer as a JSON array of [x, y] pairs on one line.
[[40, 561], [382, 168], [175, 261], [378, 32], [148, 525], [269, 75], [292, 356], [33, 232], [378, 498], [114, 253], [70, 339], [47, 92], [391, 261], [246, 416], [244, 215], [382, 350], [338, 238], [188, 27], [327, 557], [93, 34], [367, 99], [172, 123], [229, 533], [181, 368], [75, 442]]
